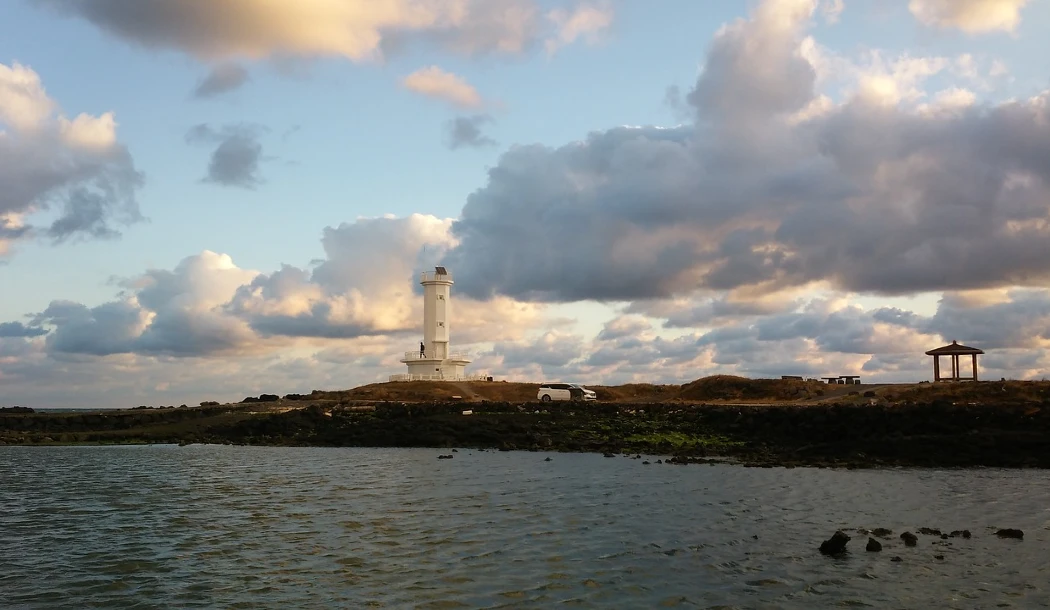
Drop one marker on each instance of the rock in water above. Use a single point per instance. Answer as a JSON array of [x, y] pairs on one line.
[[963, 533], [896, 560], [873, 545], [1010, 533], [909, 539], [882, 532], [834, 545]]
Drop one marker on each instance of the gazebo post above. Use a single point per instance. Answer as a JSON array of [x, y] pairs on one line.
[[953, 351]]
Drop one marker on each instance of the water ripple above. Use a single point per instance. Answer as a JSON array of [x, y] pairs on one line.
[[250, 527]]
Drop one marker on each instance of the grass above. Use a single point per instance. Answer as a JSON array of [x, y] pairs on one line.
[[982, 392], [680, 440]]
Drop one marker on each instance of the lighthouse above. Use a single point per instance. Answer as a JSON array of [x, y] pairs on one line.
[[434, 360]]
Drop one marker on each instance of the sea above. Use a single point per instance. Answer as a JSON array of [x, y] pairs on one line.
[[205, 526]]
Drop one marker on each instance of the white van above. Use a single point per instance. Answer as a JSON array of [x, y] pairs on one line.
[[564, 391]]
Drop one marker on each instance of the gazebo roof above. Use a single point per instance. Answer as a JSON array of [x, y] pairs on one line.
[[955, 349]]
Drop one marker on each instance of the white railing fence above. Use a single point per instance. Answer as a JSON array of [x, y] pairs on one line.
[[439, 377], [412, 356]]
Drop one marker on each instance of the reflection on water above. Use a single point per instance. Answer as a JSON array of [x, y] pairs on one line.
[[248, 527]]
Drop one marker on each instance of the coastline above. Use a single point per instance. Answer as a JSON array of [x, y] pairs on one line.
[[938, 434]]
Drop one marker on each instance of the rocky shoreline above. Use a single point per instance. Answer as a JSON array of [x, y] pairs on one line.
[[939, 434]]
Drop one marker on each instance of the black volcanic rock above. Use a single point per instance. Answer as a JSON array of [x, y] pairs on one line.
[[1010, 533], [835, 545]]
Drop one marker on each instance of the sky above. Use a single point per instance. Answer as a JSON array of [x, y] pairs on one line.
[[210, 200]]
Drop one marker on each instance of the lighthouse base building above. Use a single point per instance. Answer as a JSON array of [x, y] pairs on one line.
[[434, 360]]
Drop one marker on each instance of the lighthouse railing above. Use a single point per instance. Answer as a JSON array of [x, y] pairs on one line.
[[440, 377], [413, 356], [431, 276]]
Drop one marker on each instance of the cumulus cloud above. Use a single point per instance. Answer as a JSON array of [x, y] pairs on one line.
[[341, 297], [998, 319], [971, 16], [359, 30], [586, 21], [164, 312], [49, 162], [18, 329], [774, 187], [208, 306], [235, 160], [465, 131], [551, 351], [223, 78], [434, 82]]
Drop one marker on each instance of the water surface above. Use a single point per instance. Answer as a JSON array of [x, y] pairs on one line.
[[250, 527]]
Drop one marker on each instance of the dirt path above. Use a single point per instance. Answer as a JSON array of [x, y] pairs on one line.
[[468, 393]]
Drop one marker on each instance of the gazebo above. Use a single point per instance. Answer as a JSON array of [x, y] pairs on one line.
[[954, 351]]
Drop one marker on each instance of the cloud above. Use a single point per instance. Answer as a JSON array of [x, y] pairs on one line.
[[586, 21], [166, 312], [465, 131], [208, 306], [341, 298], [360, 30], [434, 82], [235, 160], [168, 338], [223, 78], [998, 319], [551, 351], [970, 16], [775, 187], [209, 329], [11, 229], [699, 311], [740, 83], [18, 329], [48, 162]]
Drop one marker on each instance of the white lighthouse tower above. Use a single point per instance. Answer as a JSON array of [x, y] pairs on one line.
[[434, 360]]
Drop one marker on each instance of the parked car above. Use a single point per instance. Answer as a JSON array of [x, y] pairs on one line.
[[564, 391]]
